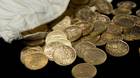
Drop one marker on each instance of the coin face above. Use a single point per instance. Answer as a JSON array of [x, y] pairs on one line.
[[104, 18], [73, 33], [82, 46], [125, 21], [85, 14], [36, 61], [99, 27], [103, 6], [121, 11], [64, 23], [56, 33], [86, 27], [114, 29], [126, 4], [90, 38], [117, 48], [132, 34], [29, 50], [84, 70], [95, 56], [64, 55]]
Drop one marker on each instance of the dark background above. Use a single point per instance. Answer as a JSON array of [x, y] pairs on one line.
[[122, 67]]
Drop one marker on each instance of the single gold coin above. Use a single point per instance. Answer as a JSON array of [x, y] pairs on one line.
[[103, 6], [117, 48], [95, 56], [35, 61], [119, 11], [132, 34], [64, 55], [35, 42], [82, 46], [90, 38], [29, 50], [64, 23], [41, 28], [100, 42], [84, 70], [103, 18], [126, 4], [86, 27], [73, 33], [114, 29], [125, 21], [99, 27], [35, 36], [85, 14], [79, 2], [56, 34]]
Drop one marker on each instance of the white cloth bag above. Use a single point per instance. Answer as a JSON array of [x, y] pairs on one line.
[[20, 15]]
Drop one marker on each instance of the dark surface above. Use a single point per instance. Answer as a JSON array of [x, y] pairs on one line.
[[121, 67]]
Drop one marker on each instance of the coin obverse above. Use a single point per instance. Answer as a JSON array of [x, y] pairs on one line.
[[117, 48], [95, 56], [64, 55], [84, 70], [36, 61]]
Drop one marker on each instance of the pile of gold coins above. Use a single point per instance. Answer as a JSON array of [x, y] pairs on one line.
[[78, 32]]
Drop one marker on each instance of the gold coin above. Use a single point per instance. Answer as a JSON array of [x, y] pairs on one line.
[[86, 27], [85, 14], [35, 36], [79, 2], [95, 56], [41, 28], [73, 33], [103, 6], [64, 55], [35, 42], [56, 33], [100, 42], [84, 70], [138, 12], [90, 38], [126, 4], [132, 34], [117, 48], [82, 46], [29, 50], [35, 61], [64, 23], [125, 21], [106, 37], [114, 29], [101, 17], [99, 27], [119, 11]]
